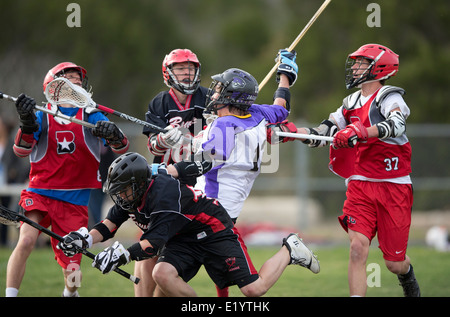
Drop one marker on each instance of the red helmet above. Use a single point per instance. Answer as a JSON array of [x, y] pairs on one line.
[[59, 70], [383, 64], [181, 56]]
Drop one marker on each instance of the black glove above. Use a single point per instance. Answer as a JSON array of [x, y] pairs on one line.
[[109, 131], [25, 108], [74, 242]]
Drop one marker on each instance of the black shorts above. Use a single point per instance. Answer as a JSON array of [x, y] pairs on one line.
[[224, 256]]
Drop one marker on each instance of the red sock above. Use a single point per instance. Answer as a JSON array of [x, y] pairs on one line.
[[222, 292]]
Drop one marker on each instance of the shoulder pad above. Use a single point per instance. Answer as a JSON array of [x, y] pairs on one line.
[[386, 91], [350, 101]]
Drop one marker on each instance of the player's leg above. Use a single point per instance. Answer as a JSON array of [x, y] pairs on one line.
[[359, 251], [293, 251], [169, 282], [143, 270], [393, 234], [25, 245], [73, 218]]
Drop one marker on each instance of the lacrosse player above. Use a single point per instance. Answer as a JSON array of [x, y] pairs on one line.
[[371, 150], [64, 159], [234, 143], [179, 109], [185, 228]]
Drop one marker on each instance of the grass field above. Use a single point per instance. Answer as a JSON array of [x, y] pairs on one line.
[[43, 277]]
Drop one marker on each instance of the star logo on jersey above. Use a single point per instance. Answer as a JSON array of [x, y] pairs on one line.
[[66, 142]]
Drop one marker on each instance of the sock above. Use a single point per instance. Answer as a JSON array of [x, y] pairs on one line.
[[11, 292], [222, 292], [68, 293]]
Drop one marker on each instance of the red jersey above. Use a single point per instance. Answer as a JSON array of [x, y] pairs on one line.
[[66, 157], [377, 159]]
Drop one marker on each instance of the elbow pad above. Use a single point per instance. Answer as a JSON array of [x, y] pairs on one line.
[[285, 94], [104, 231], [326, 128], [394, 126], [138, 254]]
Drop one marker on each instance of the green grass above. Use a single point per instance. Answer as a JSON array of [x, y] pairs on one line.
[[43, 277]]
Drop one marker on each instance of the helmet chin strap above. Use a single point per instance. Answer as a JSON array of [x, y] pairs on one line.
[[214, 109]]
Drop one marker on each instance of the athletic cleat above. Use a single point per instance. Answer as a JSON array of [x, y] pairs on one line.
[[300, 254], [409, 284]]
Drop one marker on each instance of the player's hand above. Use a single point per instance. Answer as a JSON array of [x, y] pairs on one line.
[[25, 105], [75, 241], [197, 141], [348, 137], [173, 138], [273, 128], [287, 66], [25, 108], [111, 258], [108, 131]]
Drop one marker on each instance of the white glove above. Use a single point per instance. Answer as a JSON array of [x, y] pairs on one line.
[[173, 138], [111, 258], [197, 142]]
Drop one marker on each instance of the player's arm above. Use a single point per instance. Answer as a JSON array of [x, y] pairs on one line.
[[287, 73], [113, 136], [326, 128], [24, 140], [394, 126], [82, 239]]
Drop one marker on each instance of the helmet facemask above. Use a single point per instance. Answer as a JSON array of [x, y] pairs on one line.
[[187, 85], [83, 77], [356, 76], [128, 196]]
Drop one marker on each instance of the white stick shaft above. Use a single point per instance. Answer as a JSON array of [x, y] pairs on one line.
[[305, 136]]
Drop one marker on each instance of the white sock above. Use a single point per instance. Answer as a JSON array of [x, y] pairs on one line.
[[68, 293], [11, 292]]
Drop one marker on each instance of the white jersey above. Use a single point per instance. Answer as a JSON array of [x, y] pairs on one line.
[[237, 144]]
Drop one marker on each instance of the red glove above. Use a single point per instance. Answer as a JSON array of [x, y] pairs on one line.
[[348, 137], [284, 126]]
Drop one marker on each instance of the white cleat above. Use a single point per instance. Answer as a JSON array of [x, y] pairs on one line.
[[300, 254]]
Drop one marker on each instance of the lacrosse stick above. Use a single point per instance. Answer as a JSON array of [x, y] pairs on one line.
[[305, 136], [55, 112], [12, 218], [299, 37], [62, 91]]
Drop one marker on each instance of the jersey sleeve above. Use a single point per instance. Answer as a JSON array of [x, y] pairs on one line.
[[155, 114], [117, 215], [272, 113]]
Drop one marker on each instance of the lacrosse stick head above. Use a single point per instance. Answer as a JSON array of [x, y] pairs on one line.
[[61, 91], [61, 69]]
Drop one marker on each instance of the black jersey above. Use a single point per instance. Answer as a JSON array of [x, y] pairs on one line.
[[170, 209], [165, 109]]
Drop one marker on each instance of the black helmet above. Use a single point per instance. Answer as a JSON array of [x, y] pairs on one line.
[[128, 171], [235, 88]]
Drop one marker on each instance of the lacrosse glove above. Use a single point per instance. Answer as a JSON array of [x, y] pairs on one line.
[[75, 241], [111, 258], [111, 133], [287, 66], [25, 106]]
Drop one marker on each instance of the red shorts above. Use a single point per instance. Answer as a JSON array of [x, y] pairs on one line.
[[62, 216], [383, 209]]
